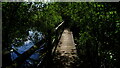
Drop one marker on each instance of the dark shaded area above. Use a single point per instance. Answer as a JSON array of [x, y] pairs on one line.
[[95, 26]]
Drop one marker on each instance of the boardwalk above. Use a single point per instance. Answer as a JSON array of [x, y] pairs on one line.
[[65, 54]]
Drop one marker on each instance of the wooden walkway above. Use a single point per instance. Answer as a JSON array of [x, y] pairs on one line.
[[65, 54]]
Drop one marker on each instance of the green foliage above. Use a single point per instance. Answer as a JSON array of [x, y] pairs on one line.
[[96, 32], [95, 26], [21, 16]]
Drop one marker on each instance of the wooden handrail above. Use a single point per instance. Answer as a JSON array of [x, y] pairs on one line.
[[56, 41], [58, 26], [22, 57]]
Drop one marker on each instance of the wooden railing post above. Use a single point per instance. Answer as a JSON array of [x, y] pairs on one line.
[[58, 32], [50, 44]]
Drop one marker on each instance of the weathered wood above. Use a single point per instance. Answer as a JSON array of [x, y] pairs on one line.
[[47, 60], [22, 57], [65, 54], [58, 32], [59, 26]]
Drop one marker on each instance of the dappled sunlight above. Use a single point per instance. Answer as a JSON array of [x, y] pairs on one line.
[[60, 35], [65, 55]]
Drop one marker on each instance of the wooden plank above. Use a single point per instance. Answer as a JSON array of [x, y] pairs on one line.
[[65, 54]]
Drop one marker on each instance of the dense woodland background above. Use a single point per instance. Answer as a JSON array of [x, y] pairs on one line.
[[95, 26]]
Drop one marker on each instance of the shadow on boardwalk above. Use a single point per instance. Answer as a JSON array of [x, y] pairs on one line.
[[65, 54]]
